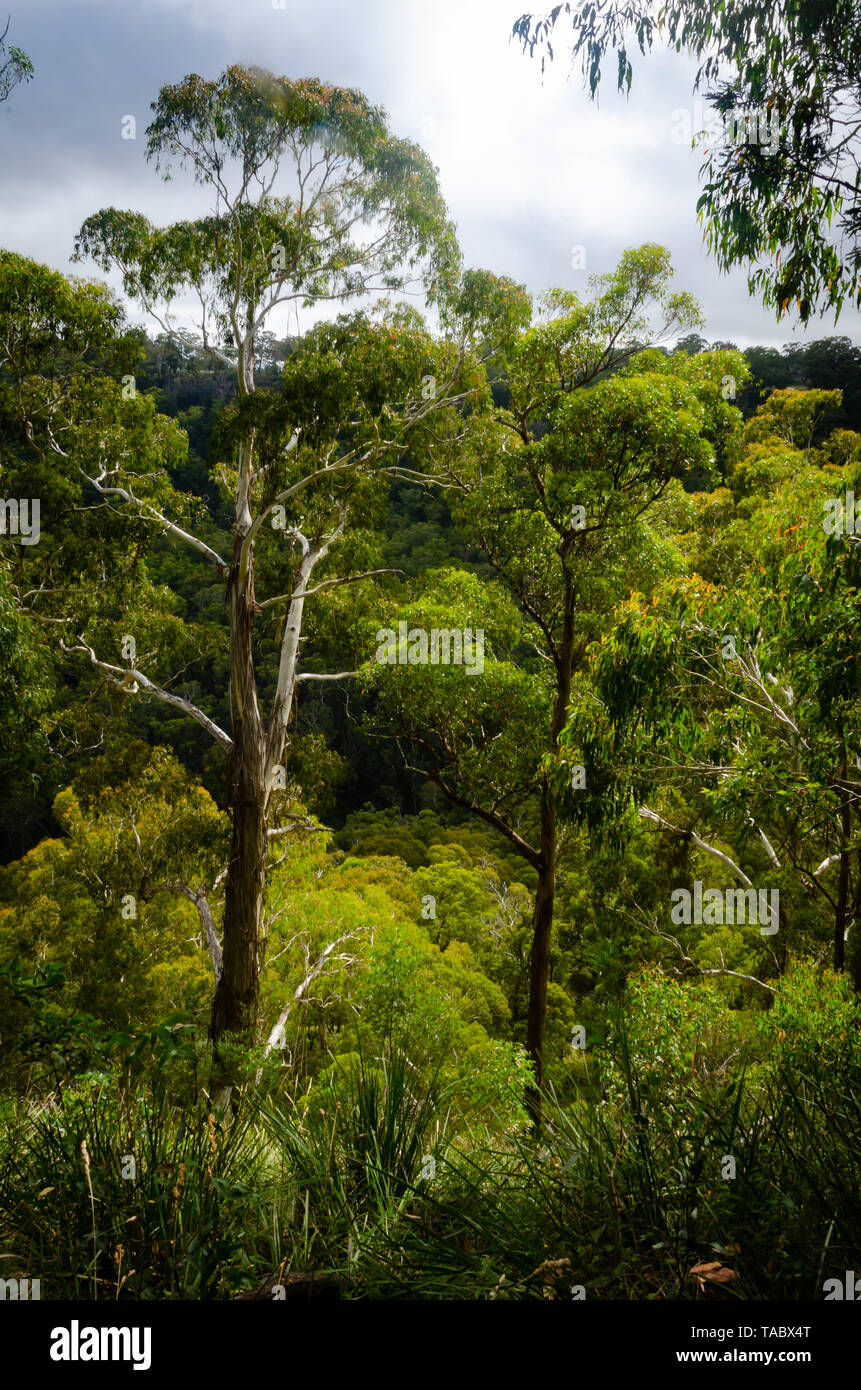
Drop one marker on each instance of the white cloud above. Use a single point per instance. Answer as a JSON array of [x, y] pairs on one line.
[[529, 167]]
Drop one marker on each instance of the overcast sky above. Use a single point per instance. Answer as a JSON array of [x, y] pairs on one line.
[[529, 169]]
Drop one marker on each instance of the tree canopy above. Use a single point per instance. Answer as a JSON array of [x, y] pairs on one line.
[[780, 182]]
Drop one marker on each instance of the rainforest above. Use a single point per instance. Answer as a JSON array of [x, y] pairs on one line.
[[430, 773]]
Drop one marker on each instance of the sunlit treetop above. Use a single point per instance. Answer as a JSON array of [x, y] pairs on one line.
[[313, 200]]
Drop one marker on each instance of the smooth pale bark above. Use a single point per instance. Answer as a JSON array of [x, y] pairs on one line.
[[647, 814], [276, 1035], [201, 902], [129, 679]]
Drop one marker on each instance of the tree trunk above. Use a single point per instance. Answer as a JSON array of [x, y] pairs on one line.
[[841, 921], [545, 898], [542, 927], [234, 1005], [854, 943]]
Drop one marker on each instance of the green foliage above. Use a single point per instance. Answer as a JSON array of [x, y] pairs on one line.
[[360, 1136], [784, 201], [15, 66], [97, 1226], [814, 1027], [250, 116], [376, 1131], [133, 824]]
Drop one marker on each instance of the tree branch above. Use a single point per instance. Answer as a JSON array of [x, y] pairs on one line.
[[130, 674], [150, 513], [325, 584], [276, 1036], [201, 902], [692, 835]]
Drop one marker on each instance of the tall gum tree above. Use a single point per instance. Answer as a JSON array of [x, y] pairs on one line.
[[315, 203], [556, 482]]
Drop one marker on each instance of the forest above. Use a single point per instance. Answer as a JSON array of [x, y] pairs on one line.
[[431, 740]]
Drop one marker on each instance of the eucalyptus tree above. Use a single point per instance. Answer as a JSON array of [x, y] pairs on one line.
[[314, 203], [557, 487], [15, 66], [783, 153], [731, 693]]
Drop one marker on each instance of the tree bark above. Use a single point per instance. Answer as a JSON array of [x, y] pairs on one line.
[[854, 944], [234, 1005], [539, 975], [545, 897], [841, 921]]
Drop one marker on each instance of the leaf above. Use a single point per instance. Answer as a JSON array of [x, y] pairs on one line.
[[723, 1276], [714, 1272]]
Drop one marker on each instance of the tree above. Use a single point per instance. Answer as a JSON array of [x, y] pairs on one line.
[[732, 693], [58, 404], [102, 899], [26, 697], [360, 212], [15, 66], [557, 489], [781, 193]]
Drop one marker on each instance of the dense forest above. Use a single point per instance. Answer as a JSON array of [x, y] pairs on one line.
[[431, 856]]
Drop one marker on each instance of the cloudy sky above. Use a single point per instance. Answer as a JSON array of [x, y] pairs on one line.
[[530, 169]]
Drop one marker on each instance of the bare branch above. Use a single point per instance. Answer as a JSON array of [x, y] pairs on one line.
[[299, 823], [201, 902], [150, 513], [276, 1036], [692, 835], [332, 676], [131, 674], [325, 584], [285, 688]]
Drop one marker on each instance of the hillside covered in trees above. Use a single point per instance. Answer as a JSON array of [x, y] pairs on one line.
[[431, 755]]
